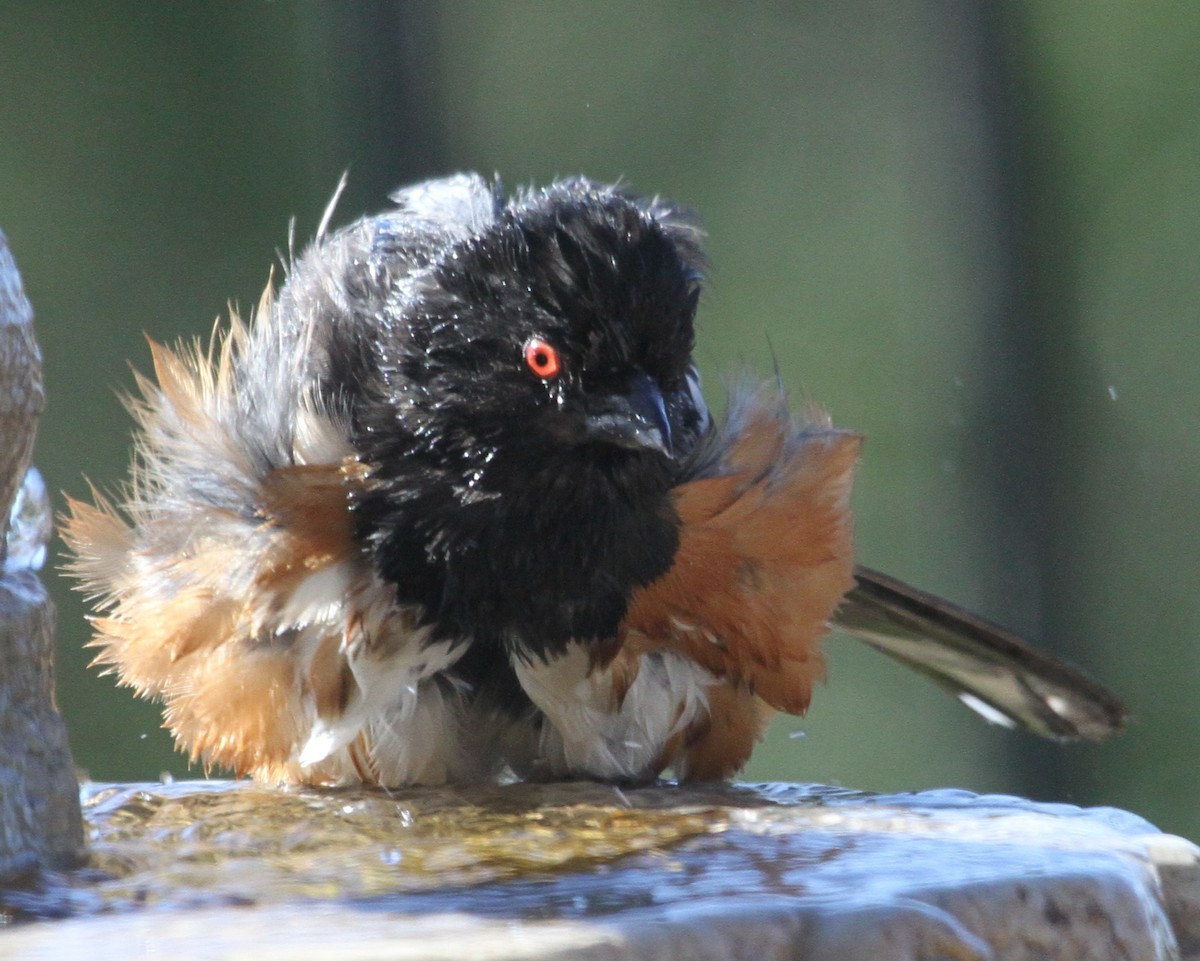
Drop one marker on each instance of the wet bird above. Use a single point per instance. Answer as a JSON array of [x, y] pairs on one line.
[[453, 507]]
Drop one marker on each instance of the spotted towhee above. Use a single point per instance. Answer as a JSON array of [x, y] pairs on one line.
[[453, 507]]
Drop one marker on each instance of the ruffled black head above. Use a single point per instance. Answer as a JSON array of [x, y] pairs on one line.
[[525, 398]]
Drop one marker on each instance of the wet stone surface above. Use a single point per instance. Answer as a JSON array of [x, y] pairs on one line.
[[202, 869], [39, 805]]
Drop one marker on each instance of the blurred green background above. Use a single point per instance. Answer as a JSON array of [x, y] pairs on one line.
[[970, 229]]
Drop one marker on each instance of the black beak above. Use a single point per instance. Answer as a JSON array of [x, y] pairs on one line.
[[635, 418]]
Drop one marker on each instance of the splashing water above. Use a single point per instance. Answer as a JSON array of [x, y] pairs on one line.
[[29, 525]]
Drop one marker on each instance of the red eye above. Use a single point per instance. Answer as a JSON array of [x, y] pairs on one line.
[[542, 358]]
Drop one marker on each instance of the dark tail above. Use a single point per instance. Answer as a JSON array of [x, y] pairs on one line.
[[992, 671]]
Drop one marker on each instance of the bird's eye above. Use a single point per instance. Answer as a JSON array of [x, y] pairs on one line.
[[542, 358]]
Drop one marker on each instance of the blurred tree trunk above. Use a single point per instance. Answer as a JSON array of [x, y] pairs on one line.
[[378, 75]]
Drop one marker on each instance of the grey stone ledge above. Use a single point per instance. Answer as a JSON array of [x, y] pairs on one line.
[[590, 871]]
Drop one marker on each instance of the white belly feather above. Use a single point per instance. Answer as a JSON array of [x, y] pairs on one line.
[[589, 734]]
